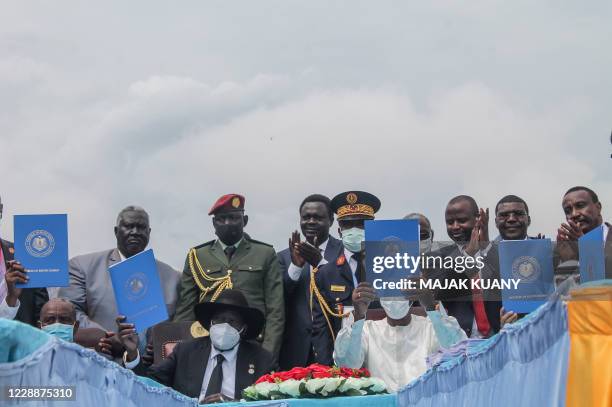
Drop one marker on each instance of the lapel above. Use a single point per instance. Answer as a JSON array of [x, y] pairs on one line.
[[242, 250], [332, 250], [197, 364], [245, 370], [218, 252], [114, 257]]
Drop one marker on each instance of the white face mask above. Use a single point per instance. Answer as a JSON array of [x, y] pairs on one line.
[[396, 309], [352, 239], [224, 336]]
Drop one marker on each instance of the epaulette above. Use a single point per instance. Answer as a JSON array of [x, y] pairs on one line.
[[257, 241], [206, 244]]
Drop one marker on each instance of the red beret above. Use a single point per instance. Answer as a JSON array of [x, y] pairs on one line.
[[227, 203]]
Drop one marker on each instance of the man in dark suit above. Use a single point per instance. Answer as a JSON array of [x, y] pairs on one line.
[[336, 280], [212, 368], [512, 221], [467, 226], [297, 261], [22, 304], [583, 214]]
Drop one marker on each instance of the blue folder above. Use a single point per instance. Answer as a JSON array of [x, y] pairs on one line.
[[138, 291], [41, 246], [592, 257], [531, 262], [386, 238]]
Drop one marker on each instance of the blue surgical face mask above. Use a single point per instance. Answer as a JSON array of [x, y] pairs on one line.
[[352, 239], [62, 331]]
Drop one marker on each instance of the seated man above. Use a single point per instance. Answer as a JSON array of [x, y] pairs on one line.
[[212, 368], [58, 318], [394, 349]]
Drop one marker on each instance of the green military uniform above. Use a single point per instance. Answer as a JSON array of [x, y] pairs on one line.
[[253, 269]]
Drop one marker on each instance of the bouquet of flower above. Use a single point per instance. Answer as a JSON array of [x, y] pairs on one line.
[[314, 381]]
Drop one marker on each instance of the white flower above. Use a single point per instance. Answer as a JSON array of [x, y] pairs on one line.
[[264, 388], [250, 393], [290, 387], [331, 385], [314, 385], [375, 385], [352, 383]]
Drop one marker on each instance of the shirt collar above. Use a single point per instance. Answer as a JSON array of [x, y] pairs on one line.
[[323, 245], [224, 246], [229, 355]]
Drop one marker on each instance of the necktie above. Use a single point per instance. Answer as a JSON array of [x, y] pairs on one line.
[[3, 287], [229, 251], [479, 312], [360, 270], [216, 378]]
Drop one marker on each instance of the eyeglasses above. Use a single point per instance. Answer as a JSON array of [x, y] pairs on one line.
[[424, 235]]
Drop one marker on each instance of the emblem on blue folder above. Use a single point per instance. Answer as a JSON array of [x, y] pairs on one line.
[[136, 286], [39, 243], [526, 268]]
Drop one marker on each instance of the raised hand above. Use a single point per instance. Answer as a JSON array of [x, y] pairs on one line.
[[128, 336], [310, 253], [363, 295], [15, 274], [294, 249]]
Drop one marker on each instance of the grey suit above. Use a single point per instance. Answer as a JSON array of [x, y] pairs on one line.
[[92, 294]]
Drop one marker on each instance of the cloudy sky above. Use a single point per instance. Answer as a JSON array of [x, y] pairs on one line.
[[169, 105]]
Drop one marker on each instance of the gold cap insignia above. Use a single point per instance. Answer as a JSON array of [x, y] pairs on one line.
[[351, 198], [197, 330], [236, 202]]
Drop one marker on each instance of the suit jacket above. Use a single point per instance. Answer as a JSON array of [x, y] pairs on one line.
[[91, 291], [335, 283], [458, 302], [184, 369], [31, 300], [254, 270], [297, 339]]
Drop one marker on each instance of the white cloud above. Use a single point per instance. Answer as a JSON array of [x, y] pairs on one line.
[[414, 105]]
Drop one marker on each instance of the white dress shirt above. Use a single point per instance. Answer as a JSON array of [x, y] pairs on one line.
[[295, 271], [396, 354], [352, 262], [228, 385], [8, 312]]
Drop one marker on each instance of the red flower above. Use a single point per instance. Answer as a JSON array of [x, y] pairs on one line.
[[347, 372], [320, 371], [298, 373], [264, 378]]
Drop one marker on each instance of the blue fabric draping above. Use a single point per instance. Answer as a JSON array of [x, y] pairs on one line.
[[523, 365]]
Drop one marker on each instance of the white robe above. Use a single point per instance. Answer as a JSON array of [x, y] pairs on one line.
[[395, 354]]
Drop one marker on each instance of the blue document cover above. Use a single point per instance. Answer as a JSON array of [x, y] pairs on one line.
[[392, 254], [592, 257], [530, 263], [41, 246], [138, 291]]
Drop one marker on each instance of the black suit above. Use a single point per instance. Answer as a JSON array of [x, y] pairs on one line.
[[335, 282], [297, 347], [184, 369], [457, 302], [31, 299]]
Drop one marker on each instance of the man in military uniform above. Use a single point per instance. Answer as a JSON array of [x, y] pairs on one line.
[[234, 260], [334, 282]]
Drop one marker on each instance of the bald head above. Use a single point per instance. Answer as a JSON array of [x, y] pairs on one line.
[[57, 310], [425, 225]]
